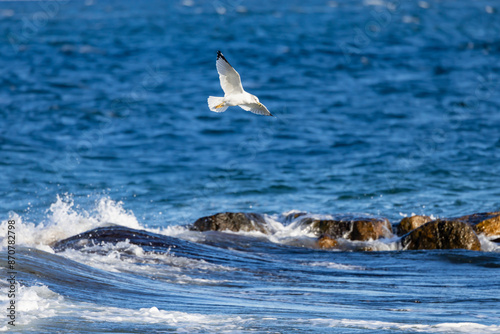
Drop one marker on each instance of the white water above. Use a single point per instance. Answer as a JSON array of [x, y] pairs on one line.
[[37, 303], [65, 219]]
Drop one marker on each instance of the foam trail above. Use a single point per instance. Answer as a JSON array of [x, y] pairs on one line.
[[488, 245], [36, 303], [64, 221], [333, 265], [458, 327], [33, 303]]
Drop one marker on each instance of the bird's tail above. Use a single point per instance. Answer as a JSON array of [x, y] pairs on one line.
[[216, 104]]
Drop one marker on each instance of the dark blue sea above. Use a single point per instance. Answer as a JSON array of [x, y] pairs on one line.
[[383, 107]]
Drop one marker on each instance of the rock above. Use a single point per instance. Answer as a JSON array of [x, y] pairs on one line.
[[232, 221], [325, 242], [108, 234], [442, 234], [487, 223], [408, 224], [357, 228], [149, 241]]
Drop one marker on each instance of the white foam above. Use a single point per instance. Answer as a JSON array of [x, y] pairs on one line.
[[458, 327], [293, 230], [39, 302], [111, 212], [299, 234], [333, 265], [64, 221], [32, 303], [182, 321], [487, 245], [383, 244], [161, 266], [291, 212]]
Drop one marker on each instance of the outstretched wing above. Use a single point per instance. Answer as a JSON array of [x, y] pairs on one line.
[[256, 108], [229, 79]]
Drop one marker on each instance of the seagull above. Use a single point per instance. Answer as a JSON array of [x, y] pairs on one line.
[[234, 94]]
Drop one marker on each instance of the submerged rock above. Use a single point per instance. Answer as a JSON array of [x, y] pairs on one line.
[[326, 242], [487, 223], [232, 221], [92, 240], [408, 224], [442, 234], [112, 235], [356, 228]]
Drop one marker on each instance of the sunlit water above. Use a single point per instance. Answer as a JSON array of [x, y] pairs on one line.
[[383, 107]]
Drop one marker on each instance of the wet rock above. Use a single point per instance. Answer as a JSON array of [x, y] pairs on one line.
[[112, 235], [326, 242], [356, 228], [232, 221], [408, 224], [92, 240], [487, 223], [121, 238], [442, 234]]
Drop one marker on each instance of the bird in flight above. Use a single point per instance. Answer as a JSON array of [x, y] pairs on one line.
[[234, 94]]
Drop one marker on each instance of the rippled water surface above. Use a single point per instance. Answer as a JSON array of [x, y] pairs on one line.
[[383, 107]]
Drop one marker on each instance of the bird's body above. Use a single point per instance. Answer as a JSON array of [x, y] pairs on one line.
[[234, 94], [237, 99]]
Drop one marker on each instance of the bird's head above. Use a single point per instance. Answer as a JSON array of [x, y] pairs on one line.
[[256, 100]]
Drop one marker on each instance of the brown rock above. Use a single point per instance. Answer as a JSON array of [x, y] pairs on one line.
[[442, 234], [233, 221], [325, 242], [351, 227], [408, 224], [487, 223]]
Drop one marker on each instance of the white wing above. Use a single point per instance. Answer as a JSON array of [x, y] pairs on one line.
[[229, 79], [256, 108]]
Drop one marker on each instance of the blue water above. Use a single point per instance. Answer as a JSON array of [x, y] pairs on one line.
[[383, 107]]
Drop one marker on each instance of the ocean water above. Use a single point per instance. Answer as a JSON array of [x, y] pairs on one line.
[[388, 108]]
